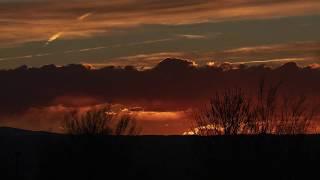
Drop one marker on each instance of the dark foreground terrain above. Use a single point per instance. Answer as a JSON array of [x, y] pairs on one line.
[[39, 155]]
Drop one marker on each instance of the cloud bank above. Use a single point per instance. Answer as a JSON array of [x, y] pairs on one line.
[[173, 84]]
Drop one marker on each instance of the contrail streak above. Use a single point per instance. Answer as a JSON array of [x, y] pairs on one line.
[[53, 37], [80, 18], [59, 34]]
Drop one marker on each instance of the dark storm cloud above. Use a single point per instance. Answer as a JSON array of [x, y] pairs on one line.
[[171, 85]]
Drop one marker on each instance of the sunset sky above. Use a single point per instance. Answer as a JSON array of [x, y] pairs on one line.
[[144, 32], [211, 39]]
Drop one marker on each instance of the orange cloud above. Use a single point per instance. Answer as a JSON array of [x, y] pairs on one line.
[[314, 66]]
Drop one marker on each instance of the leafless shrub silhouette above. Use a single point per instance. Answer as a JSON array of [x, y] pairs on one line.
[[127, 125], [279, 113], [201, 124], [266, 107], [229, 113], [233, 112], [295, 116], [100, 121]]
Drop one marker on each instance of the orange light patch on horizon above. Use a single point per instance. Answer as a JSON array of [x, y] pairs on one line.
[[159, 116], [163, 123]]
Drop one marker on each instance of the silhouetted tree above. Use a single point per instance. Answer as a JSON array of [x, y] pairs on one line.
[[100, 121]]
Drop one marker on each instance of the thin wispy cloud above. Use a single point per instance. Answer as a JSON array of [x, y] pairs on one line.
[[295, 46], [284, 60], [304, 52], [84, 50], [37, 20], [25, 57], [192, 36], [145, 60]]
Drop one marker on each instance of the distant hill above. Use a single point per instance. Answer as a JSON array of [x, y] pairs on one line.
[[8, 131]]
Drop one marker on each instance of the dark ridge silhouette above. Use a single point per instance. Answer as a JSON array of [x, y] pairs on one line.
[[8, 131], [38, 155], [173, 84]]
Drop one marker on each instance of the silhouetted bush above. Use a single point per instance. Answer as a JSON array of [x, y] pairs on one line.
[[100, 121], [228, 113], [296, 116], [280, 113], [234, 112]]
